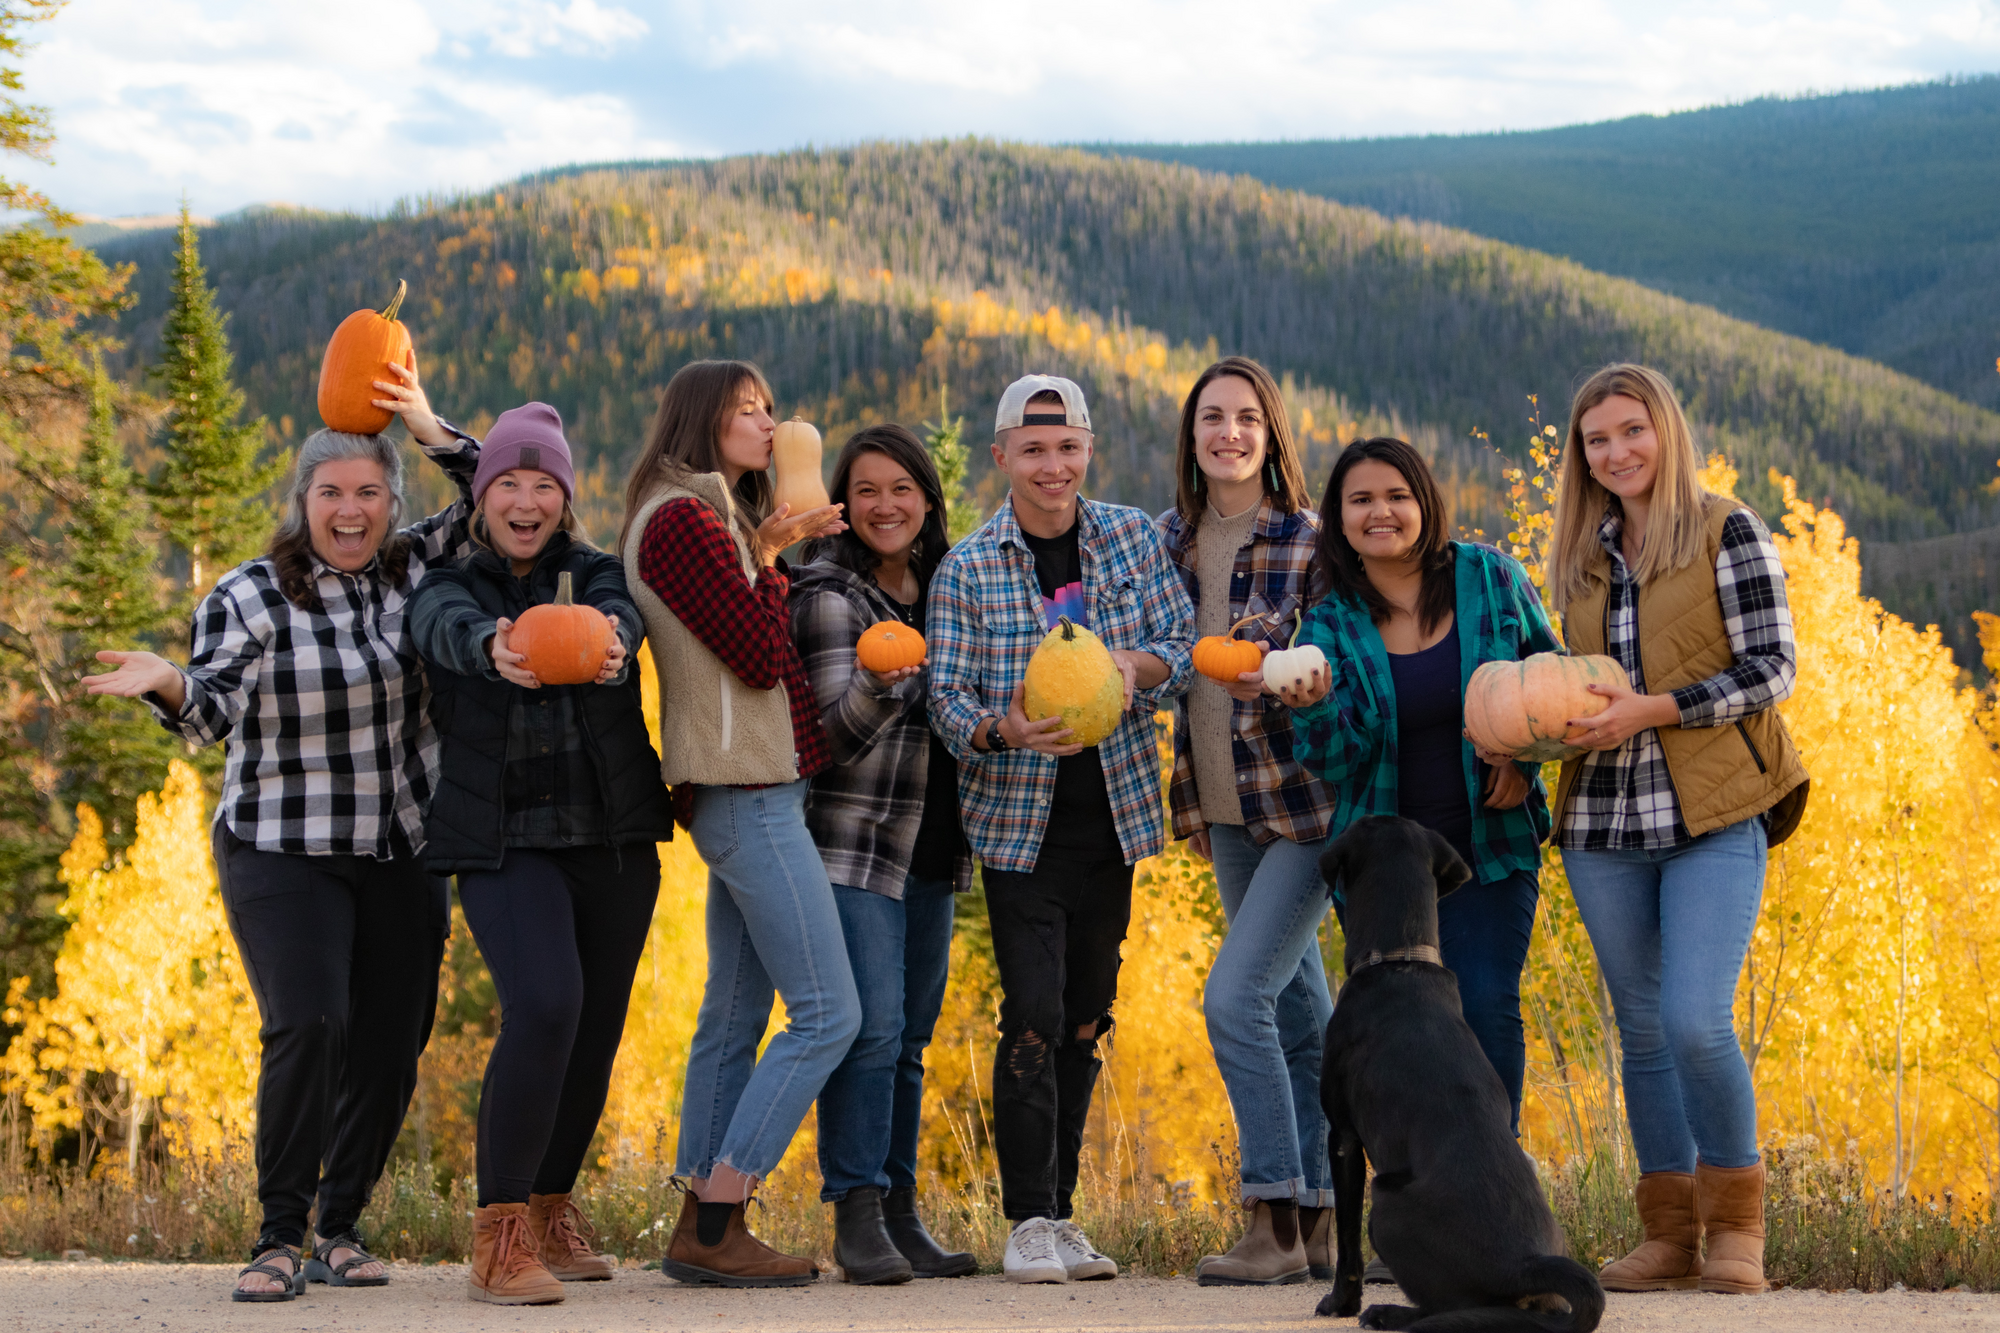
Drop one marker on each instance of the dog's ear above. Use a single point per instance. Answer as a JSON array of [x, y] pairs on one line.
[[1447, 866], [1332, 862]]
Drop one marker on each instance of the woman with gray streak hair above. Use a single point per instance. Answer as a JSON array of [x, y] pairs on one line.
[[301, 666]]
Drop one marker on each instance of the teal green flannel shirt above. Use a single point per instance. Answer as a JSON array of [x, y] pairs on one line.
[[1349, 737]]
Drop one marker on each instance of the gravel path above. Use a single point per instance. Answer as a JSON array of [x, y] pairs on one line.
[[144, 1297]]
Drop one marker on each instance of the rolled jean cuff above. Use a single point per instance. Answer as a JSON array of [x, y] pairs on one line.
[[1294, 1189]]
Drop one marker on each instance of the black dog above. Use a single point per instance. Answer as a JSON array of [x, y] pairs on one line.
[[1458, 1215]]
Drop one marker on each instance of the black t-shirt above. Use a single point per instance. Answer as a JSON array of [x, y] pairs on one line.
[[1430, 751], [940, 837], [1081, 825]]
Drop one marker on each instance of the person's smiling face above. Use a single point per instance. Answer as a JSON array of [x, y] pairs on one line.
[[1045, 466], [885, 504], [1379, 513], [347, 512], [523, 509], [1230, 433], [1621, 446]]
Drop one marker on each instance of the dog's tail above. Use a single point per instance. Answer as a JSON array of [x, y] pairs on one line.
[[1543, 1275]]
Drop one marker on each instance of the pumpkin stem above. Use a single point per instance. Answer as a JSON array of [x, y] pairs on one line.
[[1068, 629], [396, 301], [1297, 629], [564, 590], [1239, 625]]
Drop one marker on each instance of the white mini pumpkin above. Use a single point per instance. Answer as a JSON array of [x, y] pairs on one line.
[[1294, 664]]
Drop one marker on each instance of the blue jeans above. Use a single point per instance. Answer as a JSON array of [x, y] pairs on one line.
[[1671, 929], [772, 926], [1267, 1007], [870, 1108], [1484, 931]]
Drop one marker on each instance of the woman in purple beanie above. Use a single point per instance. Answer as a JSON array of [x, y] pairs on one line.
[[548, 806]]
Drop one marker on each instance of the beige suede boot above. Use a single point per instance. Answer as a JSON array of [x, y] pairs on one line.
[[505, 1268], [1730, 1201], [1271, 1253], [562, 1236], [1669, 1259]]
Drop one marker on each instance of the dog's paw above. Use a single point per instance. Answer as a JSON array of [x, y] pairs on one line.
[[1389, 1316], [1338, 1304]]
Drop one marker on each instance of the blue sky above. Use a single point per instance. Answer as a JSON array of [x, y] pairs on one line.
[[356, 104]]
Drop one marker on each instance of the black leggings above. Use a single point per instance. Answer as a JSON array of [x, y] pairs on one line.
[[561, 932], [342, 954]]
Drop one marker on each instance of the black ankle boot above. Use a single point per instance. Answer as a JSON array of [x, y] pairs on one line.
[[906, 1229], [861, 1245]]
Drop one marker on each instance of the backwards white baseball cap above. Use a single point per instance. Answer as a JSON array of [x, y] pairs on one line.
[[1014, 404]]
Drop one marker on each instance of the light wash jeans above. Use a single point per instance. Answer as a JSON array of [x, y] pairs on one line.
[[1267, 1007], [871, 1107], [772, 925], [1671, 929]]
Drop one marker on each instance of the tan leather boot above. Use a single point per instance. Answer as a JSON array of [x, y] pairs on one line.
[[1271, 1253], [737, 1259], [1730, 1202], [1669, 1259], [562, 1237], [1317, 1224], [505, 1267]]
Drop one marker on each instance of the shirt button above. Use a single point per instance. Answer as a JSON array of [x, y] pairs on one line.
[[1242, 777]]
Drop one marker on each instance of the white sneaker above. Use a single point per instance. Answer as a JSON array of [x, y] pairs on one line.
[[1079, 1257], [1031, 1253]]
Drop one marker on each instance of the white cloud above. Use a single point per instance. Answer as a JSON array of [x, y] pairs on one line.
[[358, 104]]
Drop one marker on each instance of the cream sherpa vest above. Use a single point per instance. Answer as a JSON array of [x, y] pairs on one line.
[[714, 729]]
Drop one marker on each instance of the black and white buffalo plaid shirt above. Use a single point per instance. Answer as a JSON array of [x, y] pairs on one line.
[[330, 744], [1625, 800]]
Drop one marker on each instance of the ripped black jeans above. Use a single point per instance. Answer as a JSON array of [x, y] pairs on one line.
[[1056, 932]]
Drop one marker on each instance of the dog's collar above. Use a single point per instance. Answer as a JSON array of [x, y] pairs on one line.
[[1416, 953]]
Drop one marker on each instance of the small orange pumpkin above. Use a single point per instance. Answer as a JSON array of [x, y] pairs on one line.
[[360, 352], [564, 643], [1224, 657], [1523, 708], [890, 645]]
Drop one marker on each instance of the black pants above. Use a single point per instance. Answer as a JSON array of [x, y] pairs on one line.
[[1056, 932], [342, 954], [561, 932]]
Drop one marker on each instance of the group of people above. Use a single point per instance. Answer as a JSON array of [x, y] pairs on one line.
[[383, 733]]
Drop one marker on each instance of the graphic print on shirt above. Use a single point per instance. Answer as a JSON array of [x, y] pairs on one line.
[[1068, 601]]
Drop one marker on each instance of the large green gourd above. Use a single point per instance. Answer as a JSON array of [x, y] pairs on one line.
[[1072, 676]]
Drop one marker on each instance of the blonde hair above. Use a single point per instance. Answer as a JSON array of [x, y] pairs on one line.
[[1675, 514]]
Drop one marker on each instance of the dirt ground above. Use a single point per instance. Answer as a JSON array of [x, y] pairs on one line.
[[143, 1297]]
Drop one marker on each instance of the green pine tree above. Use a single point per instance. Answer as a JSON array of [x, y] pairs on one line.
[[945, 438], [107, 594], [208, 496]]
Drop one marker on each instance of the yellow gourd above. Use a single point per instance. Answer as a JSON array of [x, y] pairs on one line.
[[1072, 676]]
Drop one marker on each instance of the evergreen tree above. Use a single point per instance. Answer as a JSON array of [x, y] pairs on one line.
[[107, 595], [945, 438], [207, 496]]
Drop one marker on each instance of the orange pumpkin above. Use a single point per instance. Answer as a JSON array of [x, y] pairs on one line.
[[360, 352], [795, 454], [1224, 657], [1523, 708], [564, 643], [889, 646]]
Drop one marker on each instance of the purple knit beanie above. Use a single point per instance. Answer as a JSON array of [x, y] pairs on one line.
[[528, 436]]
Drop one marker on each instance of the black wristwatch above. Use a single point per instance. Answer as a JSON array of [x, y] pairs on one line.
[[995, 742]]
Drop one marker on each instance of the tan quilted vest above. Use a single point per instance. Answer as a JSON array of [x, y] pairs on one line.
[[714, 729], [1721, 775]]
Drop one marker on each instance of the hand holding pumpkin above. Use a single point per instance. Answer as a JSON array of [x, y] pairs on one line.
[[1302, 688], [1048, 736], [511, 665], [1506, 785], [783, 528], [406, 398], [1629, 714], [614, 662]]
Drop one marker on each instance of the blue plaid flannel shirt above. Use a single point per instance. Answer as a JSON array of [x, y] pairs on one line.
[[1349, 737], [985, 621], [1269, 581]]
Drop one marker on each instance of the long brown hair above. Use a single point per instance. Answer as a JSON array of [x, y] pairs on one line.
[[686, 439], [901, 446], [1284, 476], [1675, 517], [291, 548], [1336, 565]]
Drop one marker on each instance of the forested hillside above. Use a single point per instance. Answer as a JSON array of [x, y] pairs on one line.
[[1868, 220], [865, 280]]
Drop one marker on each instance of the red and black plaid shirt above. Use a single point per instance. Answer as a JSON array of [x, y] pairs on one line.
[[690, 561]]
